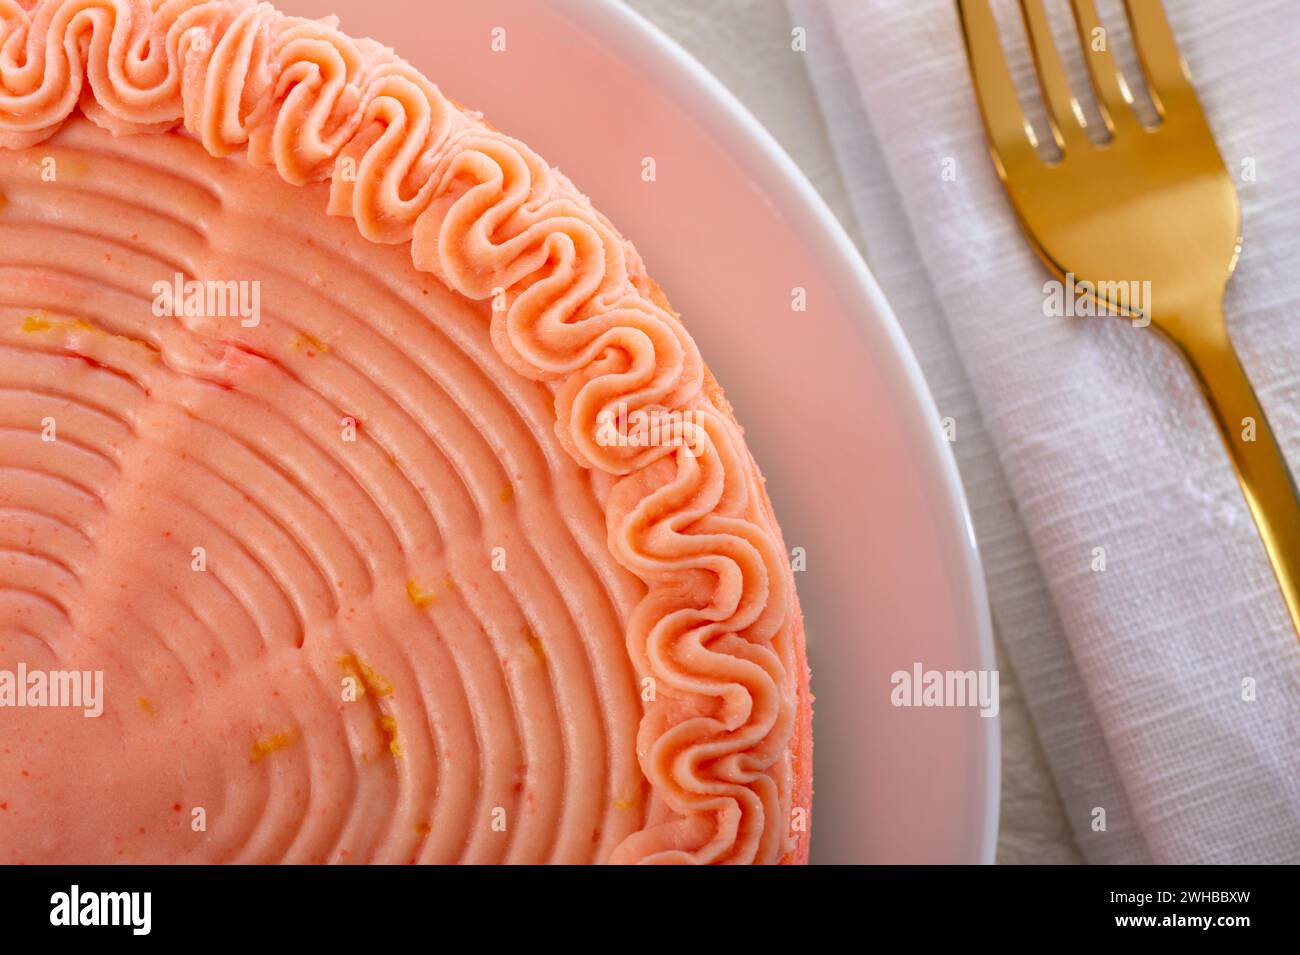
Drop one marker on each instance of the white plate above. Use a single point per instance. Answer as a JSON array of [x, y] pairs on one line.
[[835, 408]]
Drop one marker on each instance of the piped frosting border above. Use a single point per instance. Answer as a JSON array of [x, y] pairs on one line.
[[572, 306]]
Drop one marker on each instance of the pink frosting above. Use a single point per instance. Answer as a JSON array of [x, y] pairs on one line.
[[717, 630]]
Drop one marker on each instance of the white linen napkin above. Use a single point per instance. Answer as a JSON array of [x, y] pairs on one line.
[[1166, 686]]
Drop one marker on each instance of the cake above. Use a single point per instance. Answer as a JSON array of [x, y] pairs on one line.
[[363, 498]]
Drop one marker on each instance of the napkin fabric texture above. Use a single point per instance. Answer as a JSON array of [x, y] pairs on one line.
[[1129, 585]]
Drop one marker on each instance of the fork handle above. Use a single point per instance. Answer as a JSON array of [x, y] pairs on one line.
[[1261, 468]]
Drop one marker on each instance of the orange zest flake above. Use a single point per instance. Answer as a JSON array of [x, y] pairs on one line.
[[424, 828], [387, 726], [265, 747], [624, 802], [43, 323], [507, 494], [536, 644], [146, 706], [418, 595], [371, 680], [310, 342]]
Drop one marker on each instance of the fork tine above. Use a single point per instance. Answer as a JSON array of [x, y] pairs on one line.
[[1114, 98], [1167, 77], [1011, 138], [1063, 110]]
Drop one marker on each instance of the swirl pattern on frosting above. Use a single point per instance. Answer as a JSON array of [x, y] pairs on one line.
[[572, 306]]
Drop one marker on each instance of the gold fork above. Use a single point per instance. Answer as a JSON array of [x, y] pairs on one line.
[[1153, 205]]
